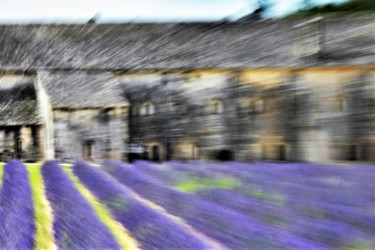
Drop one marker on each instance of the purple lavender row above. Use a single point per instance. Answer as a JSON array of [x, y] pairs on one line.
[[17, 226], [332, 233], [351, 206], [232, 229], [150, 228], [169, 176], [357, 193], [354, 194], [358, 218], [311, 173], [353, 197], [348, 177], [306, 174], [75, 225]]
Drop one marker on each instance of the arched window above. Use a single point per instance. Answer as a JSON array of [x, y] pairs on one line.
[[214, 107], [253, 105], [147, 108]]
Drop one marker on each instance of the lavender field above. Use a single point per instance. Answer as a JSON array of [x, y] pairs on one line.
[[193, 205]]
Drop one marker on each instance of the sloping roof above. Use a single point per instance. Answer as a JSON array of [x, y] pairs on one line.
[[134, 46], [18, 104], [82, 89]]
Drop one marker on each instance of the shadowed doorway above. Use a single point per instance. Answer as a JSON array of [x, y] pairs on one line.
[[155, 153]]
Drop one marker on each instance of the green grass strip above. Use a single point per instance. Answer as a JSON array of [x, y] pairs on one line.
[[120, 233], [1, 172], [199, 183], [44, 238]]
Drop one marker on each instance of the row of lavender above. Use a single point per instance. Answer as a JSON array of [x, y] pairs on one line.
[[212, 217], [225, 225], [75, 224], [150, 227], [16, 208], [327, 204]]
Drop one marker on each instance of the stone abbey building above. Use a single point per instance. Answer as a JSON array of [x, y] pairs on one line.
[[286, 90]]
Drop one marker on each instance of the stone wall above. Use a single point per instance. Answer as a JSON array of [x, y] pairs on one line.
[[306, 114], [20, 142], [102, 131]]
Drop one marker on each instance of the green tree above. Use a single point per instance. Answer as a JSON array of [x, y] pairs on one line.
[[350, 6]]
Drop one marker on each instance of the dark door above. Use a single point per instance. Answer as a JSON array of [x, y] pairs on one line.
[[87, 150], [282, 153], [168, 155], [155, 153], [353, 153]]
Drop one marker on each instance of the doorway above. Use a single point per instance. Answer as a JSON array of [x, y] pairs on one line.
[[168, 155], [282, 153], [87, 150], [155, 153], [353, 153]]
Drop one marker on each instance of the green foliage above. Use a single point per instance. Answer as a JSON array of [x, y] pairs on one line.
[[358, 246], [43, 213], [348, 7], [1, 171], [65, 241], [258, 194], [117, 203], [198, 183]]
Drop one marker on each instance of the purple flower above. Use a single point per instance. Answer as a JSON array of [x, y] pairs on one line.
[[329, 204], [152, 229], [332, 233], [17, 226], [75, 224], [232, 229]]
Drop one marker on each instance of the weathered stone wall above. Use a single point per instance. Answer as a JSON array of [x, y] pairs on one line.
[[104, 129], [307, 114], [182, 119], [20, 142], [299, 90], [19, 118]]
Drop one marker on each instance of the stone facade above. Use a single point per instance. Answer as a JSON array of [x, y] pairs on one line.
[[58, 114], [294, 90], [92, 134], [311, 114]]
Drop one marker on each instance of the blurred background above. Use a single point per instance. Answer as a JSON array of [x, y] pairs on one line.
[[69, 11], [249, 124]]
